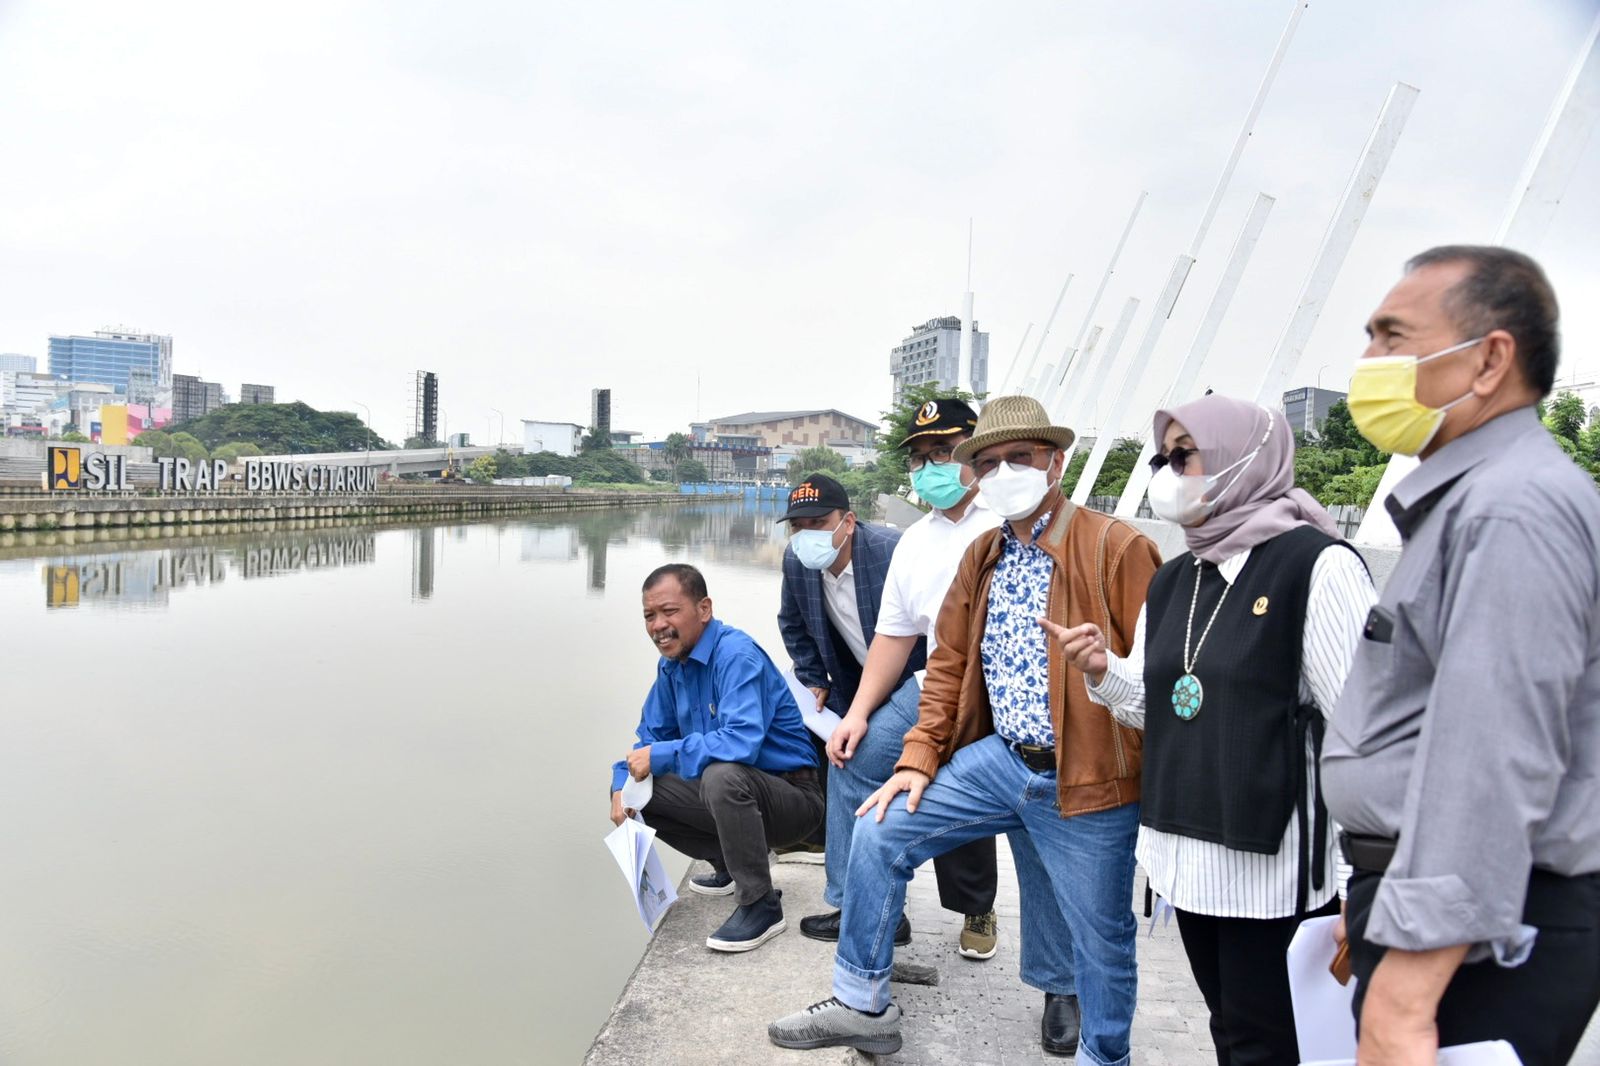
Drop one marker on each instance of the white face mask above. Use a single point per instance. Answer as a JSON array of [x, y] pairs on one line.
[[1014, 494], [1182, 500]]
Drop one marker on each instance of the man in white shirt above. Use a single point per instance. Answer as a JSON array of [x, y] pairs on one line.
[[866, 744]]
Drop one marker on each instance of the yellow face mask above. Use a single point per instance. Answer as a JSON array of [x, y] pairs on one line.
[[1383, 401]]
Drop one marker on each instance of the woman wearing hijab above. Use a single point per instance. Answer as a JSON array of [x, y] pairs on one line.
[[1239, 656]]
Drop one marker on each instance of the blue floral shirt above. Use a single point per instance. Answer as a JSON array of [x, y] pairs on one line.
[[1015, 655]]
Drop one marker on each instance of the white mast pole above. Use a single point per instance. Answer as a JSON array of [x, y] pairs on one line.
[[1051, 385], [1182, 264], [1182, 388], [1119, 333], [1027, 372], [1336, 242], [1538, 193]]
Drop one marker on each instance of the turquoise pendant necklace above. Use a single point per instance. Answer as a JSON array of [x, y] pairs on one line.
[[1187, 692]]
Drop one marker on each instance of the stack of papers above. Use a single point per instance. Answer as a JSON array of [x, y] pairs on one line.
[[632, 844]]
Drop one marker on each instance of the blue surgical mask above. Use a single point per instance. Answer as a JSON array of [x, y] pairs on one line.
[[940, 484], [815, 548]]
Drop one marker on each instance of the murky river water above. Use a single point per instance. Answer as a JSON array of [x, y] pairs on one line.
[[331, 795]]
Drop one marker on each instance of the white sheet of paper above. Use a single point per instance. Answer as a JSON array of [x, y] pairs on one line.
[[635, 794], [632, 844], [822, 722], [1323, 1023], [1485, 1053]]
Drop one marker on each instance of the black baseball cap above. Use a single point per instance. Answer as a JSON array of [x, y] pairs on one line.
[[816, 496], [941, 418]]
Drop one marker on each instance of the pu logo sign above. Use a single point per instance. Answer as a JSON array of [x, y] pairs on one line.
[[66, 469]]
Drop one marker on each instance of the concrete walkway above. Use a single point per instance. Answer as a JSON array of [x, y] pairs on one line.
[[687, 1004]]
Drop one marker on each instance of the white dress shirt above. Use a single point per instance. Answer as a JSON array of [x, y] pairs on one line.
[[839, 600], [924, 564], [1212, 879]]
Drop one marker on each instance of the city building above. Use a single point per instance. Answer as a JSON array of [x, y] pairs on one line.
[[425, 406], [932, 356], [257, 394], [25, 392], [600, 410], [14, 363], [623, 437], [1306, 409], [749, 464], [193, 398], [142, 387], [808, 429], [107, 356], [557, 438]]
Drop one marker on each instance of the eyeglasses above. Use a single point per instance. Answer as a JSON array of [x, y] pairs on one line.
[[1023, 457], [940, 455], [1178, 457]]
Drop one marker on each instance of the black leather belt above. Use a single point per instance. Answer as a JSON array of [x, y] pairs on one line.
[[1372, 854], [1039, 760]]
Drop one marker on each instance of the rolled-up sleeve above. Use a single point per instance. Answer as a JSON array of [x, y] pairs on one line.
[[1513, 634]]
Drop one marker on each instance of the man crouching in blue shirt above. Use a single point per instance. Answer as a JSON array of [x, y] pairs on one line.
[[735, 771]]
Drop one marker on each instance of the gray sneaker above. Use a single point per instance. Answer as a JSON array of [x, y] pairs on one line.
[[832, 1024]]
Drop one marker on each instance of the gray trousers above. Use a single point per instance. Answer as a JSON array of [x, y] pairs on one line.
[[731, 814]]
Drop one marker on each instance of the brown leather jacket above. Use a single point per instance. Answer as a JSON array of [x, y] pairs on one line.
[[1097, 760]]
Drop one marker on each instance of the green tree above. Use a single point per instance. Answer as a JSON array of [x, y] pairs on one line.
[[1339, 432], [691, 470], [420, 443], [72, 436], [675, 449], [1355, 488], [1565, 417], [159, 442], [483, 469], [237, 450], [1117, 466], [819, 460], [190, 448], [279, 428], [595, 441]]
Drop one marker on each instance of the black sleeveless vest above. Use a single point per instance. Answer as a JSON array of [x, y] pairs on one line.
[[1235, 772]]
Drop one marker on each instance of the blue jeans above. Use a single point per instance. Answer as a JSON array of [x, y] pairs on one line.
[[870, 766], [1075, 876]]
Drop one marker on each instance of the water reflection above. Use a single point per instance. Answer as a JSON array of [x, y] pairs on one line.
[[345, 814], [107, 568]]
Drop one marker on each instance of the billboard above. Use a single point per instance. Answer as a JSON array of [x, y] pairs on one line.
[[120, 423]]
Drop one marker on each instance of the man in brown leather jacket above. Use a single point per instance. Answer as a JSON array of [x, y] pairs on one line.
[[1007, 741]]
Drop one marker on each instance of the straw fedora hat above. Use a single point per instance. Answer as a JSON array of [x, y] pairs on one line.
[[1007, 418]]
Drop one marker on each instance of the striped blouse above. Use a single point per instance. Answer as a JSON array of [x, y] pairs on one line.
[[1206, 878]]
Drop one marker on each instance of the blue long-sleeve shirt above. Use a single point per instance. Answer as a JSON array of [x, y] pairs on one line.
[[725, 703]]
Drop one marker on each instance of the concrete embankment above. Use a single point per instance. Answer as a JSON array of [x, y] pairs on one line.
[[31, 512]]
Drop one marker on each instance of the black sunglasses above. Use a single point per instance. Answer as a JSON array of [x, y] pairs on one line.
[[1178, 457]]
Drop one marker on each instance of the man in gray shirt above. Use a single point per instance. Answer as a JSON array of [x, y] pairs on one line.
[[1463, 760]]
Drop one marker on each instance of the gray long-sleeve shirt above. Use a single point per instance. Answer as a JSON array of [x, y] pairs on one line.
[[1472, 733]]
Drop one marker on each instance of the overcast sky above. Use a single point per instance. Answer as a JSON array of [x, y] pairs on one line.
[[717, 207]]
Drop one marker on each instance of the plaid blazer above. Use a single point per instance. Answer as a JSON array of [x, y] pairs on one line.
[[821, 657]]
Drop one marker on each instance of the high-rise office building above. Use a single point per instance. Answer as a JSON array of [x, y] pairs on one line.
[[425, 406], [108, 356], [932, 355], [192, 397], [600, 411], [1306, 409], [257, 394], [18, 364]]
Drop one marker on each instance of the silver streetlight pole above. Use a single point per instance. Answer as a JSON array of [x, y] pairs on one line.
[[502, 435]]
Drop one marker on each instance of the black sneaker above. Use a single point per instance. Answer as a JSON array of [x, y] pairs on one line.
[[826, 927], [750, 925], [715, 883]]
